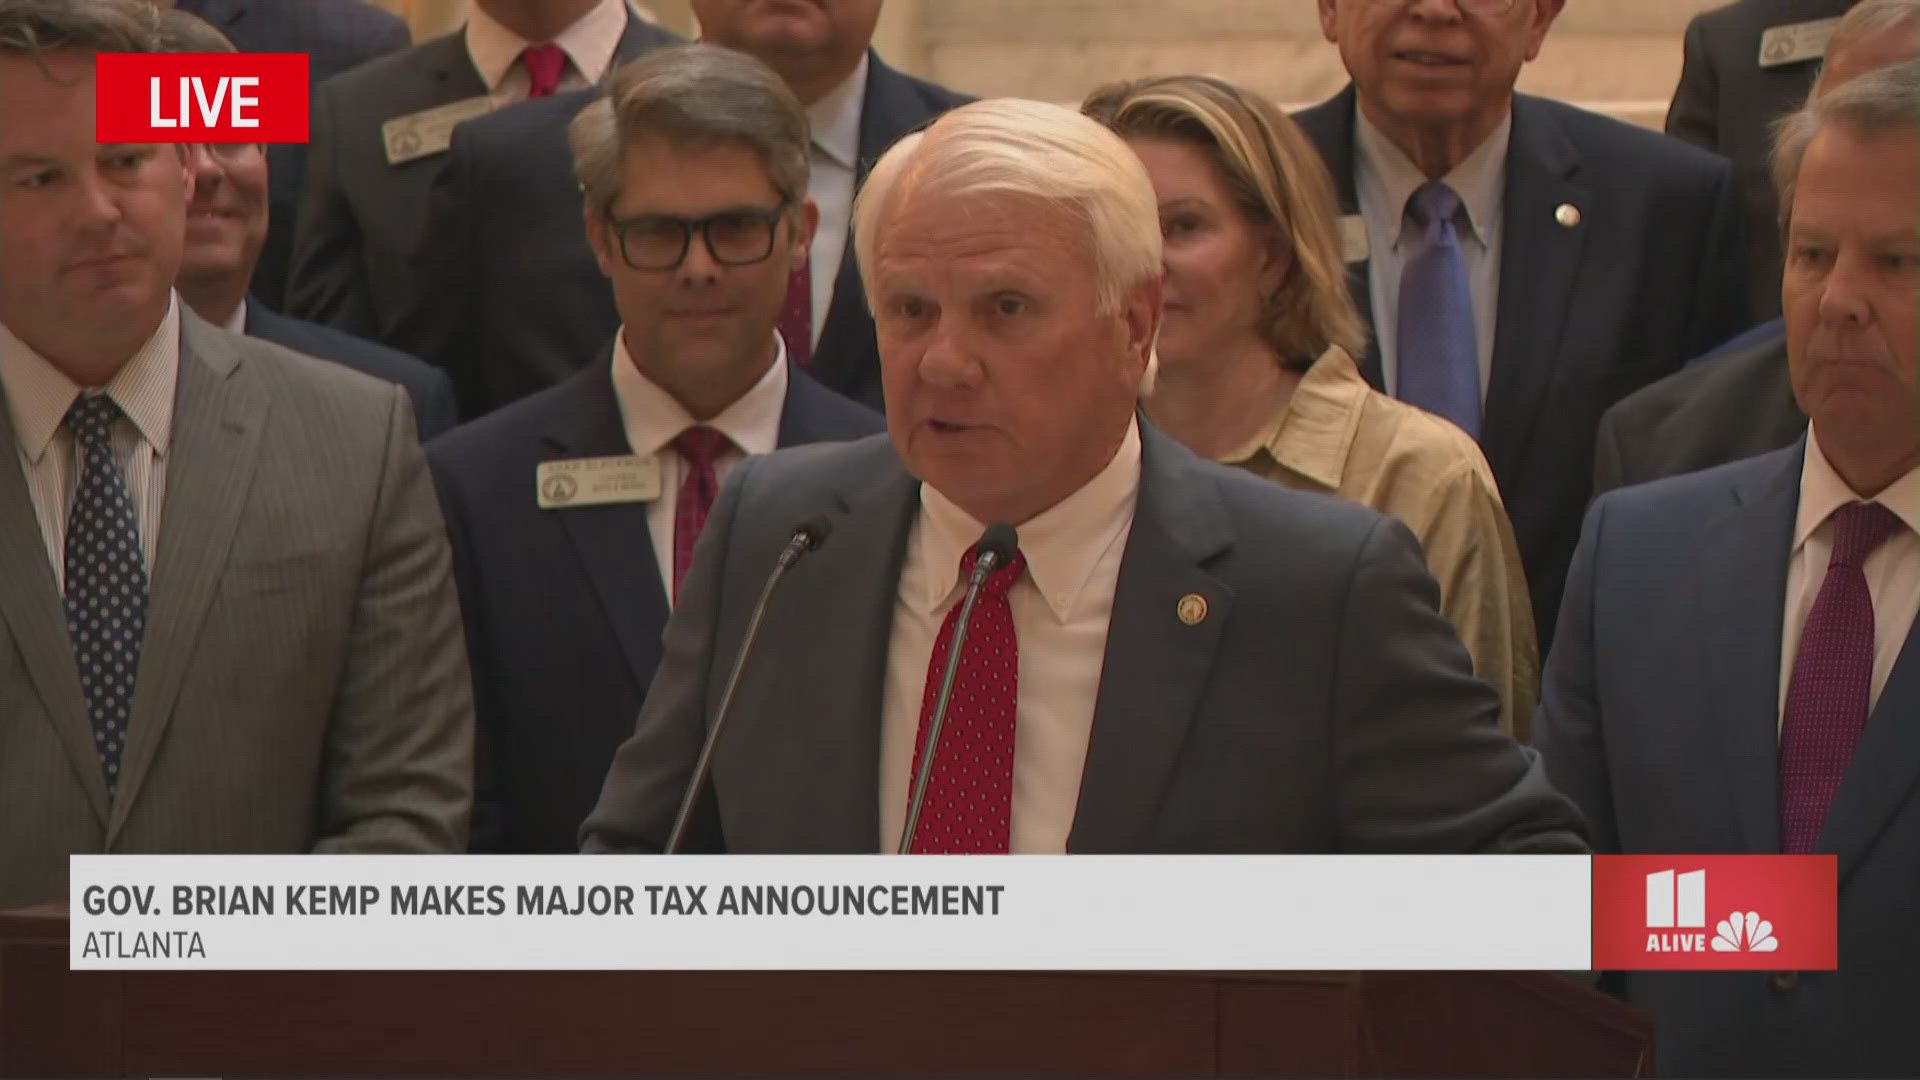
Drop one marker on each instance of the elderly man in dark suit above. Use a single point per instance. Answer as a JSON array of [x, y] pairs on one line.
[[335, 35], [1524, 264], [228, 228], [518, 304], [1143, 674], [1736, 669], [695, 172], [379, 137], [1740, 402], [227, 616]]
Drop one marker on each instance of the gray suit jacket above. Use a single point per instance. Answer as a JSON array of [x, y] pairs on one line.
[[1659, 714], [303, 685], [1322, 705]]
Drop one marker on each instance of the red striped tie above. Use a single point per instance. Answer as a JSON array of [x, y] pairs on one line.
[[545, 64], [701, 446]]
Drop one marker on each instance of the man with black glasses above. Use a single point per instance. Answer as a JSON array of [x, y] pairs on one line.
[[574, 512]]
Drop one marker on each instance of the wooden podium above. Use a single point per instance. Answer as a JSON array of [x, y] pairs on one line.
[[54, 1022]]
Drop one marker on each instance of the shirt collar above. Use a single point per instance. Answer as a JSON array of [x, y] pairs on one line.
[[237, 323], [1313, 434], [835, 118], [39, 395], [1822, 491], [1063, 544], [1480, 179], [589, 43], [653, 418]]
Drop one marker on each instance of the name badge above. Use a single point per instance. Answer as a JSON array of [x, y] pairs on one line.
[[1353, 238], [627, 478], [430, 131], [1795, 42]]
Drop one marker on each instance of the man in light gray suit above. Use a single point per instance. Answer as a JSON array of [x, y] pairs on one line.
[[227, 617], [1179, 657]]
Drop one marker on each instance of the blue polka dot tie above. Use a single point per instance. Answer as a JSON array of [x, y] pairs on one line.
[[106, 581]]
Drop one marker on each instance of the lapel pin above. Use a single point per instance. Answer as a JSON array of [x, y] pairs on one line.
[[1567, 214], [1192, 609]]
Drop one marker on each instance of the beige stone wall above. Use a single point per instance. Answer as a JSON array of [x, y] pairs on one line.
[[1618, 56]]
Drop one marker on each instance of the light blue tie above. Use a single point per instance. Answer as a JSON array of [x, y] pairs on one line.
[[1438, 350]]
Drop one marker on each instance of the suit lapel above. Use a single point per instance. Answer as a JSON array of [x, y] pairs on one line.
[[1539, 262], [1885, 769], [1156, 666], [31, 606], [219, 414], [1742, 600], [449, 65], [613, 542], [1330, 125]]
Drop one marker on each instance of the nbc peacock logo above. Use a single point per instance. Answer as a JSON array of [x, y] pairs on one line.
[[1744, 931]]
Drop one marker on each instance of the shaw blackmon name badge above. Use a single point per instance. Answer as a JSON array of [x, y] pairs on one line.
[[429, 131], [1796, 42], [597, 481]]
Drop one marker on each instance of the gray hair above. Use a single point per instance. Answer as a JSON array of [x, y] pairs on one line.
[[184, 32], [1881, 102], [1032, 149], [36, 27], [692, 94], [1870, 19]]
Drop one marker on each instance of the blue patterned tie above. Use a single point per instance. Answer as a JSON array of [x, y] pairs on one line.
[[106, 581], [1438, 350]]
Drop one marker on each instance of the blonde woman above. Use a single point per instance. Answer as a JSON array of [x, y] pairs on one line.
[[1256, 355]]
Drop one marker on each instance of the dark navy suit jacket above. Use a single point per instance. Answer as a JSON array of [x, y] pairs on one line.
[[1650, 276], [434, 410], [335, 35], [564, 608], [1659, 715], [518, 302]]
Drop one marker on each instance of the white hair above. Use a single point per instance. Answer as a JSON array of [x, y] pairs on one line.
[[1870, 19], [1032, 149], [1881, 102]]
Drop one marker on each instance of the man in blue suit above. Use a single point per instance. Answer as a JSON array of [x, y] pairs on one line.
[[1736, 669], [1570, 259], [574, 512], [229, 234]]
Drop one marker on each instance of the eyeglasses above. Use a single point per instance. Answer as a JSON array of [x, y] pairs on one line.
[[227, 153], [734, 237]]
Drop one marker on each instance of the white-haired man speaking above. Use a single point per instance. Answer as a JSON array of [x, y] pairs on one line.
[[1179, 657]]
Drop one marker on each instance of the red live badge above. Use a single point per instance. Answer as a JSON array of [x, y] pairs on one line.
[[1715, 912], [201, 97]]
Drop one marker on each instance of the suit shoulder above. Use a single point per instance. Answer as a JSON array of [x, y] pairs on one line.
[[1628, 149], [332, 343], [1709, 383], [505, 435], [818, 466], [1270, 516], [833, 414], [896, 83], [506, 125], [374, 79], [1685, 499], [308, 384]]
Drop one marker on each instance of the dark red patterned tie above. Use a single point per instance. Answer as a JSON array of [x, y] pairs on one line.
[[545, 64], [1827, 698], [796, 315], [701, 446], [969, 807]]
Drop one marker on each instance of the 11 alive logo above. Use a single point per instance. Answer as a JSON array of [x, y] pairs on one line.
[[201, 97], [1715, 912]]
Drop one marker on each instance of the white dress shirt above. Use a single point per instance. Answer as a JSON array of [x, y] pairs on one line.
[[1061, 606], [38, 396], [1892, 571], [835, 122], [589, 44], [1384, 179], [654, 418], [237, 322]]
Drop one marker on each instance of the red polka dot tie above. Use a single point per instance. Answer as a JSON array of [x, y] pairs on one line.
[[969, 807], [545, 64], [106, 582], [1832, 683], [701, 447], [796, 315]]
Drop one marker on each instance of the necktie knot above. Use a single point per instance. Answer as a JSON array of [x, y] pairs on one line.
[[1001, 579], [545, 64], [91, 419], [1859, 528], [1433, 203], [701, 445]]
